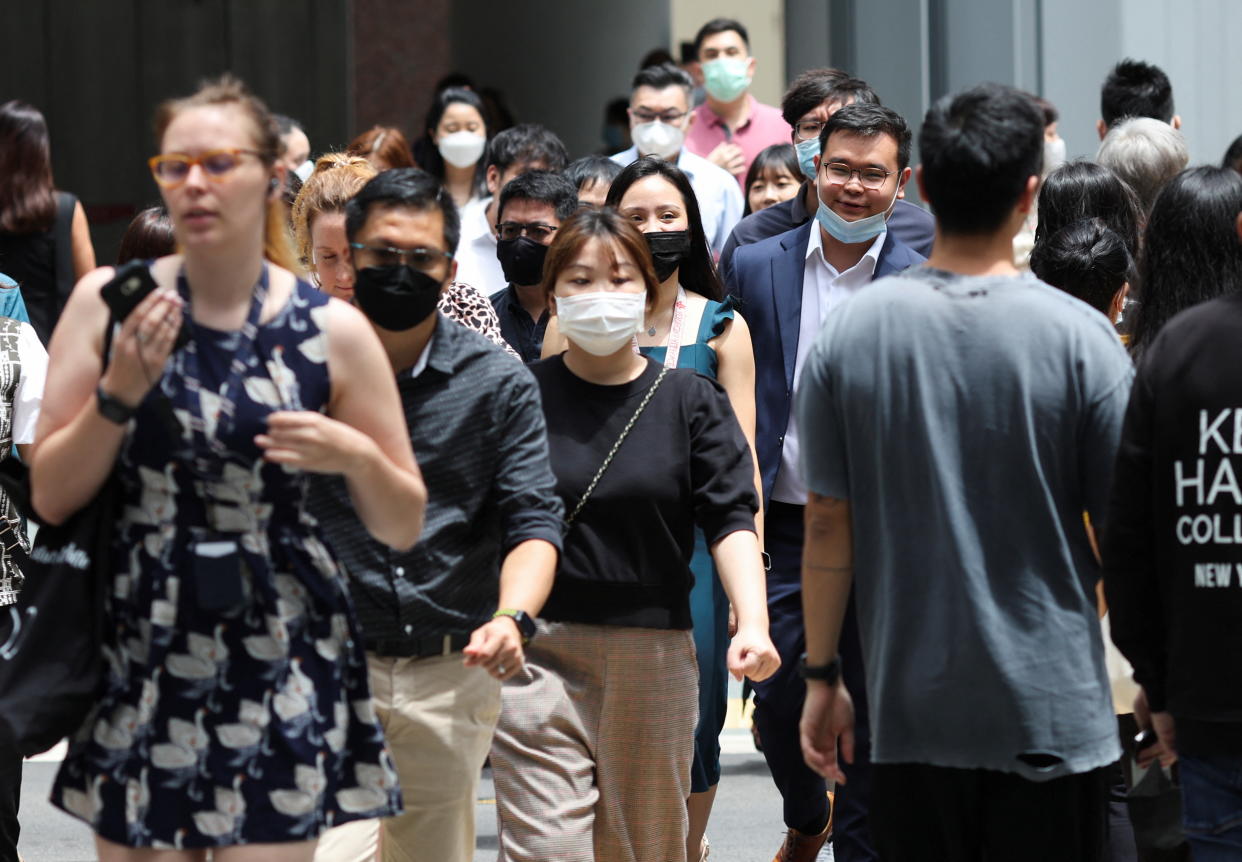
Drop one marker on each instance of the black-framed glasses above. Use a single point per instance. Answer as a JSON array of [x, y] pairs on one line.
[[421, 258], [672, 115], [807, 129], [840, 173], [172, 169], [538, 231]]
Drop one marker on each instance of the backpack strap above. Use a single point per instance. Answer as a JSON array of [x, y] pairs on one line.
[[62, 236]]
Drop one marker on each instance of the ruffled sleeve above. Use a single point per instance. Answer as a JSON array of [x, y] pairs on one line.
[[715, 316]]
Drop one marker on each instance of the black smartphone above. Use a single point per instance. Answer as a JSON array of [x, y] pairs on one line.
[[1145, 739], [130, 286]]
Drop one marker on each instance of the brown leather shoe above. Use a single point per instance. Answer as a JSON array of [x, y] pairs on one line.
[[805, 848]]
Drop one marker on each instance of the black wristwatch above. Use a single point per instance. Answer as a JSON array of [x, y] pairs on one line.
[[111, 408], [828, 673], [525, 622]]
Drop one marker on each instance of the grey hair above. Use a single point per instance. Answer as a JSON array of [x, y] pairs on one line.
[[1146, 153]]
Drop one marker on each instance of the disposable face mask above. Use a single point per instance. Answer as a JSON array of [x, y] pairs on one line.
[[462, 149], [396, 297], [1054, 154], [669, 249], [657, 139], [850, 232], [603, 322], [521, 260], [304, 170], [725, 79], [807, 151]]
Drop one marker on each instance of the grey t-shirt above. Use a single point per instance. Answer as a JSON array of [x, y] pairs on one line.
[[970, 422]]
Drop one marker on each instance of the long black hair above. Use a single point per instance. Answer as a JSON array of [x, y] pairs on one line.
[[697, 272], [1191, 252], [429, 154]]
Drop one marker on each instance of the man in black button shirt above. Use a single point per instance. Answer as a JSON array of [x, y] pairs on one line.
[[532, 207], [445, 622]]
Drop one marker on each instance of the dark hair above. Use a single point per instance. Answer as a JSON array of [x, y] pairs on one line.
[[1087, 259], [410, 188], [979, 147], [697, 272], [1191, 251], [662, 76], [868, 121], [1233, 155], [285, 124], [655, 57], [604, 224], [589, 170], [149, 235], [291, 189], [452, 96], [385, 142], [27, 204], [1082, 190], [546, 187], [720, 25], [779, 156], [1049, 110], [526, 143], [815, 86], [1136, 89]]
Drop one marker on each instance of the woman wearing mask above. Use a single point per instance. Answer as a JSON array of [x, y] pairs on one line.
[[235, 711], [457, 129], [614, 640], [45, 243]]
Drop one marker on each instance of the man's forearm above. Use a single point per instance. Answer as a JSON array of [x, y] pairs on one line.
[[827, 574], [526, 576]]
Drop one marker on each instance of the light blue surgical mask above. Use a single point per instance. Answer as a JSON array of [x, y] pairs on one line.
[[807, 151], [726, 78], [850, 232]]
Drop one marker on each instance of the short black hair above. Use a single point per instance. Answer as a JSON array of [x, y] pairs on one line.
[[1136, 89], [1233, 155], [526, 143], [979, 147], [411, 188], [592, 169], [869, 121], [1087, 259], [720, 25], [285, 124], [546, 187], [815, 86], [662, 76]]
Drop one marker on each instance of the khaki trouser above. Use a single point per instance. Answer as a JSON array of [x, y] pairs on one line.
[[438, 717]]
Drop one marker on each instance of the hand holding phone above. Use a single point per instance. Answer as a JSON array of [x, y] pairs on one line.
[[131, 284]]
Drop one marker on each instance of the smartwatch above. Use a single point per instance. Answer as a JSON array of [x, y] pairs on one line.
[[525, 622], [828, 673], [111, 408]]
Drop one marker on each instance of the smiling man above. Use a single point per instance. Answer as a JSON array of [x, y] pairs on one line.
[[787, 286]]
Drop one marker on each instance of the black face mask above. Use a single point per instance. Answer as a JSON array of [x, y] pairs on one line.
[[669, 249], [396, 297], [522, 260]]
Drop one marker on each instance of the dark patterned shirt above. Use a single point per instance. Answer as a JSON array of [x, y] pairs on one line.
[[478, 432], [524, 334]]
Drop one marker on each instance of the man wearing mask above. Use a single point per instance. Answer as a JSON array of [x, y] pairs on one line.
[[659, 119], [444, 623], [531, 209], [811, 99], [511, 153], [787, 286], [731, 126]]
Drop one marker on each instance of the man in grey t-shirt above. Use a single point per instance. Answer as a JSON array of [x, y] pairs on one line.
[[964, 417]]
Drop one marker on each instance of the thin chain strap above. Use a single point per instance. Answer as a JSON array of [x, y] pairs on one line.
[[625, 432]]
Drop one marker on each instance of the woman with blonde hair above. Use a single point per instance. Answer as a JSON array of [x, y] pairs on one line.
[[235, 712]]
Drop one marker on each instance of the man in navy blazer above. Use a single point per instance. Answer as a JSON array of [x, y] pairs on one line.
[[785, 286]]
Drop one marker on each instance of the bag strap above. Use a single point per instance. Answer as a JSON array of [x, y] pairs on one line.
[[62, 236], [625, 432]]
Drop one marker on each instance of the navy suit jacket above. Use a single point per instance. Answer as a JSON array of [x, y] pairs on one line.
[[767, 282]]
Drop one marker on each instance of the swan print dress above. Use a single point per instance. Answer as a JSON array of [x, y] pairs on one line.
[[236, 708]]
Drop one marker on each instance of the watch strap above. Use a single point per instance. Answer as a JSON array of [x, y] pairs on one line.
[[111, 408], [828, 673], [523, 620]]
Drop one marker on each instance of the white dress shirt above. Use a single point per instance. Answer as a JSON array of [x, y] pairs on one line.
[[477, 264], [823, 289], [720, 199]]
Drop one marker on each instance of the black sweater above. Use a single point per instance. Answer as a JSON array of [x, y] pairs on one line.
[[626, 560], [1172, 540]]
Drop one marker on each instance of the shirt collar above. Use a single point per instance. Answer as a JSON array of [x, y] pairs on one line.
[[715, 120], [868, 262], [440, 353]]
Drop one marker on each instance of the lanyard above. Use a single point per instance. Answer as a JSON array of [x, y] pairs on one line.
[[673, 351]]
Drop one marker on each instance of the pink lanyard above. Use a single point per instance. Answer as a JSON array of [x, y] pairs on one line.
[[673, 351]]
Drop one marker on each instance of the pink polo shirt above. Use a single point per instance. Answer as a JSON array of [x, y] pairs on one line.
[[764, 127]]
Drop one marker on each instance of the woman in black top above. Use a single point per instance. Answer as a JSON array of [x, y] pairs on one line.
[[592, 754]]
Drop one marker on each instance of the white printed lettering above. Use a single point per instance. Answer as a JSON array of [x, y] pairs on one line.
[[1208, 431], [1225, 483], [1181, 482]]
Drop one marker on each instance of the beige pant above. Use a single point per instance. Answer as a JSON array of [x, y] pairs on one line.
[[438, 717], [592, 754]]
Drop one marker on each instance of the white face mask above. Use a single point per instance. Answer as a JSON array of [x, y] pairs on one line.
[[304, 170], [462, 149], [859, 230], [602, 322], [1054, 154], [657, 139]]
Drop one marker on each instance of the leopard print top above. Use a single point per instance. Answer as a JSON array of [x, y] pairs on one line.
[[471, 309]]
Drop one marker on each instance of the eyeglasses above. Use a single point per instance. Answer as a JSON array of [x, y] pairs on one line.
[[172, 169], [537, 231], [421, 258], [808, 129], [672, 115], [871, 178]]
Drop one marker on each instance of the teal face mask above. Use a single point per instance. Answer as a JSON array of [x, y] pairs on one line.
[[807, 151], [725, 79]]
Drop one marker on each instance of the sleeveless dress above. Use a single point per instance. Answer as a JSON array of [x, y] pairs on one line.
[[709, 605], [228, 717]]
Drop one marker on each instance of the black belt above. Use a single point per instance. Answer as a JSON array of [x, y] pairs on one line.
[[418, 647]]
